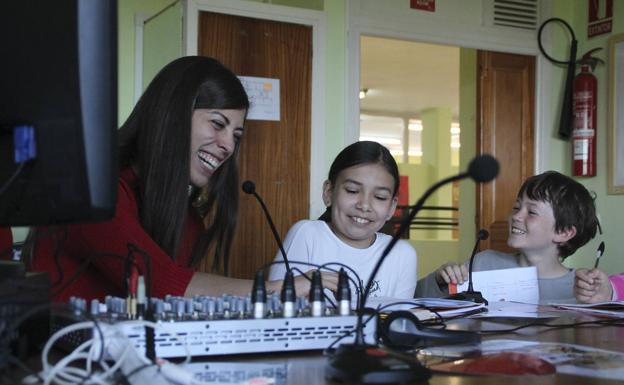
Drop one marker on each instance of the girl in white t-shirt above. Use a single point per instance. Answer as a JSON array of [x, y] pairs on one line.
[[360, 195]]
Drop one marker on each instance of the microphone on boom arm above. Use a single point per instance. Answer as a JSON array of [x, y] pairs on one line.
[[288, 294], [249, 187], [470, 294], [362, 363]]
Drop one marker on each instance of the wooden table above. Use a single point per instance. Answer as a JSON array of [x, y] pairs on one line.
[[308, 367]]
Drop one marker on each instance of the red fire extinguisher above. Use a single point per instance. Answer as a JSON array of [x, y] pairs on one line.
[[584, 126]]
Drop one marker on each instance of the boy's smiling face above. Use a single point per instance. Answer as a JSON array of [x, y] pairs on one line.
[[532, 228]]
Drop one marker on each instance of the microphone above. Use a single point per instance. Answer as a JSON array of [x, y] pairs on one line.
[[482, 169], [249, 187], [470, 294], [362, 363]]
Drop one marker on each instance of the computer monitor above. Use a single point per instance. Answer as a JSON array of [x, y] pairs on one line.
[[58, 111]]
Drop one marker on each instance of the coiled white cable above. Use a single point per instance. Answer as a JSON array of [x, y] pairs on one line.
[[79, 366]]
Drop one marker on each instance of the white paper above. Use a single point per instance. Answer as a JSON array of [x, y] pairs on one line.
[[507, 309], [518, 284], [264, 96]]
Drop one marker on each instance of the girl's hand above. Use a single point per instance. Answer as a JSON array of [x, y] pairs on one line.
[[302, 284]]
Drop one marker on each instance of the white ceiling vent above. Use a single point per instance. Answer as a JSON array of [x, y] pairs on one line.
[[521, 14]]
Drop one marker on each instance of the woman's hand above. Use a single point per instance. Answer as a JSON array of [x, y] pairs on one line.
[[591, 286], [451, 273]]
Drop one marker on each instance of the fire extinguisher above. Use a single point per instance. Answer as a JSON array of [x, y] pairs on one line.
[[584, 112]]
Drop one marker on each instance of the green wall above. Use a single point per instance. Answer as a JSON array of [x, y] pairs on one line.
[[336, 78], [610, 207], [127, 9], [468, 149], [307, 4], [162, 41], [556, 154]]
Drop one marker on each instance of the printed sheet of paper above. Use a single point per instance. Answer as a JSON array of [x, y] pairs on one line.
[[264, 97], [519, 284]]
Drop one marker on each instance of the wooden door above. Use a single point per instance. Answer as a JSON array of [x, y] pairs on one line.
[[506, 90], [274, 154]]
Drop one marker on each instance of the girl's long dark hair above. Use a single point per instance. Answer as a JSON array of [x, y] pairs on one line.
[[155, 140]]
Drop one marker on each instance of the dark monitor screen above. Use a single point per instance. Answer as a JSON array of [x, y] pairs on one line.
[[58, 111]]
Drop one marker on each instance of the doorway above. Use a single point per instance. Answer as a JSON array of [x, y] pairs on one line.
[[410, 102], [435, 107]]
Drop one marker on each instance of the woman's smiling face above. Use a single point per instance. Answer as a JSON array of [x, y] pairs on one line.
[[214, 136]]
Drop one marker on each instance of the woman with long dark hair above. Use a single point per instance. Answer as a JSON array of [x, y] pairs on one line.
[[178, 193]]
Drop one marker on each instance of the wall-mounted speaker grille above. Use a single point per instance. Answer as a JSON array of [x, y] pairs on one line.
[[514, 13]]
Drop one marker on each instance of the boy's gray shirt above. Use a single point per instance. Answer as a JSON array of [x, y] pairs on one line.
[[559, 289]]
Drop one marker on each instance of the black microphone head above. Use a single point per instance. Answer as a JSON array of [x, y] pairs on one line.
[[483, 234], [483, 168], [249, 187]]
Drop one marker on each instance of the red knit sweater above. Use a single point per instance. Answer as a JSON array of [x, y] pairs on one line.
[[6, 242], [106, 245]]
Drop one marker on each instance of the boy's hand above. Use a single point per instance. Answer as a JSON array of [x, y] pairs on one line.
[[591, 286], [451, 273]]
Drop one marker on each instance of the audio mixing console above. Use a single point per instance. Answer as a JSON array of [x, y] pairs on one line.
[[204, 326]]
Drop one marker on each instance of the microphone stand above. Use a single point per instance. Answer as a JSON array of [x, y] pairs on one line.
[[402, 228], [288, 293], [249, 187], [362, 363], [470, 294]]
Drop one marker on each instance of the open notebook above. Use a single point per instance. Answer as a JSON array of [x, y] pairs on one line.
[[424, 308]]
